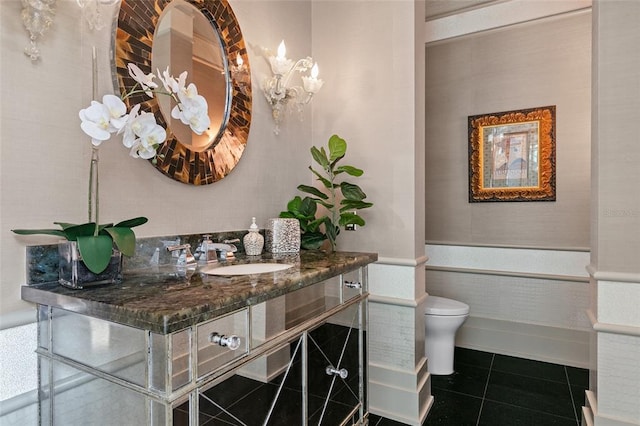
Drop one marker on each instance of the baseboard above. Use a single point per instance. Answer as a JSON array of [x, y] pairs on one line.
[[400, 395], [530, 341]]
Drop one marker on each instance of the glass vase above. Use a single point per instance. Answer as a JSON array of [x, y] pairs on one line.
[[73, 273]]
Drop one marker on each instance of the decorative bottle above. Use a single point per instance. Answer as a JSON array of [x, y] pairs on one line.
[[253, 241]]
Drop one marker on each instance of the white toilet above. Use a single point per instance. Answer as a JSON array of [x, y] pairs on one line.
[[443, 317]]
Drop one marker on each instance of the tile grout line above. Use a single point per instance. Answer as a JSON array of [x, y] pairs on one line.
[[486, 386]]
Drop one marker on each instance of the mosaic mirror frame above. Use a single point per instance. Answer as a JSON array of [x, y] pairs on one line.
[[136, 24], [512, 155]]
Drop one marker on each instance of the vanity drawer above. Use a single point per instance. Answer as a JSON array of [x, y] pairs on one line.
[[222, 341]]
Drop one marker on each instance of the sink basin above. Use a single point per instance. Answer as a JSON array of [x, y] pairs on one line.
[[245, 268]]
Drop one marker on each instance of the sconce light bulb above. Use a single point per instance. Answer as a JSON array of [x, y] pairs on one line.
[[282, 50], [314, 71]]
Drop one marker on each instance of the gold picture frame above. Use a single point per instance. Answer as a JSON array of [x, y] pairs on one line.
[[512, 155]]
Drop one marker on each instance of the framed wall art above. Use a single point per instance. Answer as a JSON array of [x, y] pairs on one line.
[[512, 155]]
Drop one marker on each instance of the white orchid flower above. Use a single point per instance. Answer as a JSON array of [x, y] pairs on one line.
[[149, 142], [165, 78], [117, 110], [194, 113], [177, 85], [145, 80], [95, 122], [140, 132], [143, 135], [188, 93], [129, 136], [100, 120]]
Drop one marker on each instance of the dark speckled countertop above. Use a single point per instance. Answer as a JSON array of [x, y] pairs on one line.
[[163, 300]]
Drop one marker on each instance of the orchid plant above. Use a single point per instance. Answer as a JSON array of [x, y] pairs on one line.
[[142, 135]]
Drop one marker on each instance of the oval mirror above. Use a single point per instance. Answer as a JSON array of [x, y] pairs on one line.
[[204, 39]]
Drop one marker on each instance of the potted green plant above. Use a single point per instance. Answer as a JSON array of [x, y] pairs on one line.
[[341, 199], [92, 251]]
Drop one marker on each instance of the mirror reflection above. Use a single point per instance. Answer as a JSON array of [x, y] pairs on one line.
[[185, 40]]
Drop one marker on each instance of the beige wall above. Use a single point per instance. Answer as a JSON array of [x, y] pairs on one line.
[[615, 232], [45, 156], [371, 100], [528, 65]]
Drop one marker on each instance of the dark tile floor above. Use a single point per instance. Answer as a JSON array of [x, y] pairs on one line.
[[486, 389], [499, 390]]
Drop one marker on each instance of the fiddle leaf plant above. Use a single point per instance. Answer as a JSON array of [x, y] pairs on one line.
[[341, 199]]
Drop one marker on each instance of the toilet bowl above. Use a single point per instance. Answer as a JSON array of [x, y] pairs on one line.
[[443, 318]]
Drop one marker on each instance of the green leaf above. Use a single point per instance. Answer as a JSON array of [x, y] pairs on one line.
[[320, 156], [325, 204], [131, 223], [337, 148], [331, 230], [352, 192], [313, 191], [72, 232], [65, 225], [354, 205], [312, 241], [124, 239], [308, 207], [56, 232], [326, 182], [350, 218], [294, 205], [314, 225], [95, 251], [353, 171]]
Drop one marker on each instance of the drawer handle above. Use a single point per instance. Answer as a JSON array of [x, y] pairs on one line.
[[232, 342], [332, 371], [352, 284]]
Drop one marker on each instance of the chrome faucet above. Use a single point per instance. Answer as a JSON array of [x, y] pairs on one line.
[[185, 258], [206, 252], [226, 249]]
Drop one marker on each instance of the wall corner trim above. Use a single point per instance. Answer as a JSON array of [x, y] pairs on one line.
[[603, 327], [396, 261], [627, 277], [385, 300]]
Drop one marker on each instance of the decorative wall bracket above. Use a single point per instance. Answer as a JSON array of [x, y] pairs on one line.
[[277, 89], [37, 17]]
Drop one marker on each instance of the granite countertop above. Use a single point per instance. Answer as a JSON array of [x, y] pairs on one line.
[[164, 299]]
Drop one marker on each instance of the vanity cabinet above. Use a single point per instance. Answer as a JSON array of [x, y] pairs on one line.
[[282, 348]]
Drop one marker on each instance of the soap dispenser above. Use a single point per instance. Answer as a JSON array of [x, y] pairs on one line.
[[253, 241]]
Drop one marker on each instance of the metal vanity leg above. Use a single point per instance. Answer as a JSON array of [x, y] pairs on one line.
[[304, 377]]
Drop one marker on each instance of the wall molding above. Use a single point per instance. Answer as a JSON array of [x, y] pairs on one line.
[[397, 261], [408, 303], [506, 246], [626, 277], [603, 327], [552, 277], [532, 341], [498, 15], [547, 263]]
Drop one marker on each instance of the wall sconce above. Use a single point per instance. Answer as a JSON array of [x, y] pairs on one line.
[[240, 74], [276, 88], [37, 17]]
